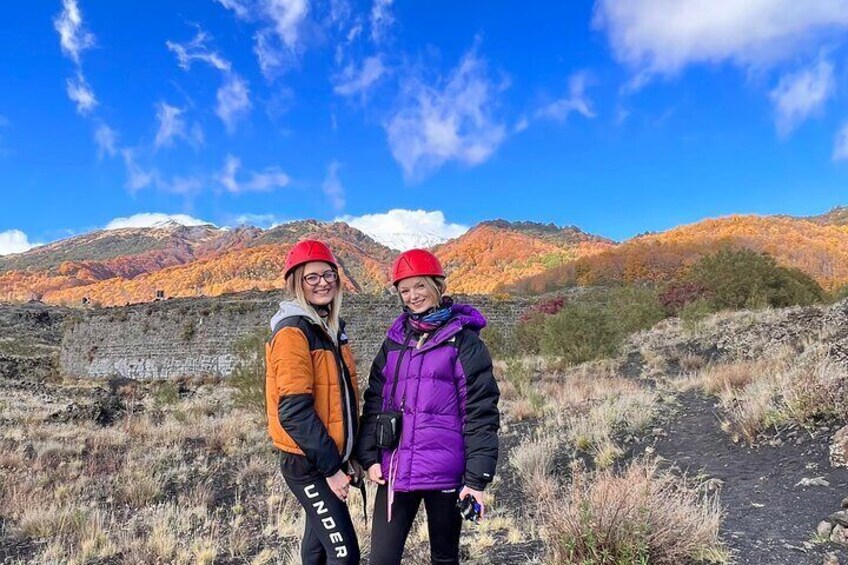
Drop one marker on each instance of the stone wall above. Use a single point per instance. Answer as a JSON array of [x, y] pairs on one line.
[[195, 337]]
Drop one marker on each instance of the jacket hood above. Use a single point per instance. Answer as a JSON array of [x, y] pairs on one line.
[[289, 309], [462, 316]]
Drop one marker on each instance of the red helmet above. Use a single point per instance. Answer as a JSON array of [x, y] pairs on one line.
[[416, 263], [306, 251]]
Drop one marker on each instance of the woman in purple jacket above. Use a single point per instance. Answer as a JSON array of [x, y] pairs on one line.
[[434, 375]]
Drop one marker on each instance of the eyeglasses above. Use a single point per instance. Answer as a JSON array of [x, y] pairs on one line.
[[313, 279]]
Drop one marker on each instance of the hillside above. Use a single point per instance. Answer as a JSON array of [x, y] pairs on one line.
[[496, 254], [131, 265], [819, 249]]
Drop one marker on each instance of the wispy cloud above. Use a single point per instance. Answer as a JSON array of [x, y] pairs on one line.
[[353, 80], [172, 126], [661, 37], [404, 229], [105, 138], [576, 101], [198, 50], [153, 219], [266, 180], [452, 120], [802, 94], [840, 147], [15, 241], [279, 41], [74, 40], [81, 94], [73, 37], [332, 186], [233, 96], [382, 20], [137, 177], [233, 101]]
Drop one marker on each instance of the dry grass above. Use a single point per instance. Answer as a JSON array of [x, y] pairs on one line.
[[534, 462], [639, 516], [784, 387], [149, 488], [594, 406]]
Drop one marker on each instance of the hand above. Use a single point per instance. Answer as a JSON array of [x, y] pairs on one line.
[[339, 484], [478, 496], [375, 474]]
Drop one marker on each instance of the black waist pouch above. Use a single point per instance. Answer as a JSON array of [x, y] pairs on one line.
[[387, 429]]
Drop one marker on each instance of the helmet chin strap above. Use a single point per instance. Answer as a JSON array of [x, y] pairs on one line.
[[323, 310]]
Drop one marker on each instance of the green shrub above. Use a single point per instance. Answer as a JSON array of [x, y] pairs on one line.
[[248, 376], [594, 326], [742, 278], [499, 347]]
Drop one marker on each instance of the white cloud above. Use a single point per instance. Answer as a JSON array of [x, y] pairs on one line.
[[287, 16], [240, 8], [73, 38], [354, 81], [279, 42], [661, 37], [333, 188], [137, 177], [81, 93], [153, 219], [802, 94], [105, 137], [266, 180], [15, 241], [840, 147], [381, 20], [233, 96], [172, 126], [233, 101], [406, 229], [576, 101], [198, 50], [446, 122]]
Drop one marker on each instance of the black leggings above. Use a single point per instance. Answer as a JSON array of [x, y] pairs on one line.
[[329, 537], [443, 524]]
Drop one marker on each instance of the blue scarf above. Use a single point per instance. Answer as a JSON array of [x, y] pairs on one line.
[[432, 319]]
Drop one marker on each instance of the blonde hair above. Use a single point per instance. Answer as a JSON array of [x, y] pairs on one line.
[[294, 287], [434, 284]]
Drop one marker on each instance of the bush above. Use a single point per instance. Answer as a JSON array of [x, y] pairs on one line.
[[248, 376], [496, 343], [742, 278], [593, 327], [640, 516]]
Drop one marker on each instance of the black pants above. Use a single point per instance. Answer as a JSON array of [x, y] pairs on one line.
[[329, 537], [443, 524]]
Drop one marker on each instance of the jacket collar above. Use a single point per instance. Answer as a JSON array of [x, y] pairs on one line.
[[463, 316]]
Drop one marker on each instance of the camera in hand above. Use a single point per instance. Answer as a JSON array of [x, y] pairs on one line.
[[469, 508]]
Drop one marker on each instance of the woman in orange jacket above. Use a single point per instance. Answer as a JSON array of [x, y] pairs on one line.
[[311, 400]]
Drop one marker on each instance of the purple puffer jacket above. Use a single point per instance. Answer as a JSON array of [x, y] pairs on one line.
[[449, 402]]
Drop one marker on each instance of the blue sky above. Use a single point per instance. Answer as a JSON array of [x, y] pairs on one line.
[[618, 117]]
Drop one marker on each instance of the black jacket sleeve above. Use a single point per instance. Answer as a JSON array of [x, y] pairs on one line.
[[301, 422], [482, 418], [367, 452]]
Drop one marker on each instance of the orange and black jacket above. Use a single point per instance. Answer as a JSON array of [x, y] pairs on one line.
[[310, 390]]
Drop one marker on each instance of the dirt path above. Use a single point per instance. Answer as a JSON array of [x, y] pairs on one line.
[[768, 519]]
